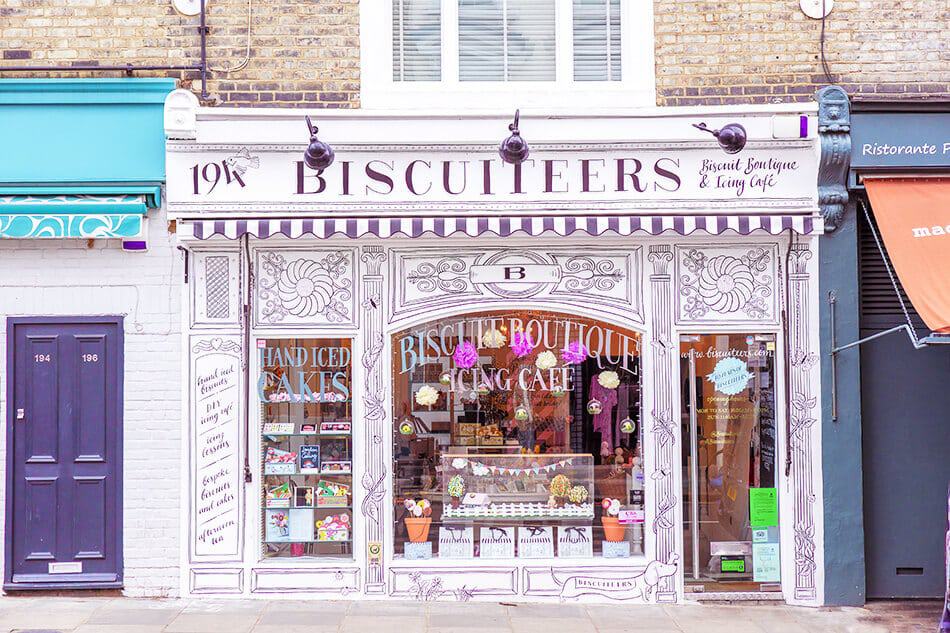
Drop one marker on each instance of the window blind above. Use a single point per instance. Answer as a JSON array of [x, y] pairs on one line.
[[506, 40], [596, 40], [417, 40]]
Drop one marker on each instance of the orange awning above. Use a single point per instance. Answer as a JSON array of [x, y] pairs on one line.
[[913, 215]]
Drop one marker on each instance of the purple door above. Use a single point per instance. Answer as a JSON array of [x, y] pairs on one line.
[[64, 457]]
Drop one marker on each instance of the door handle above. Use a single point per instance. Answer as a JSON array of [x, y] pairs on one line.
[[20, 414]]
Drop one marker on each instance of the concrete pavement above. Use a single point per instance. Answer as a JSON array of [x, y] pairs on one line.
[[130, 615]]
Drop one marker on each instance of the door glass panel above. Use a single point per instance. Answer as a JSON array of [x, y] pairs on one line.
[[728, 416]]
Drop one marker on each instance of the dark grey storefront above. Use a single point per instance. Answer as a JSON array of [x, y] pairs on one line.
[[886, 465]]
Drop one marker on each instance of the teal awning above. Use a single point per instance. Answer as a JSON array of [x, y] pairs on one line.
[[62, 216]]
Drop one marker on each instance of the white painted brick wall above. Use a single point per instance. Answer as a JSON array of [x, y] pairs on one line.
[[66, 277]]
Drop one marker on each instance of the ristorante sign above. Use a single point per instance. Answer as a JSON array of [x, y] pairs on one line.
[[363, 179]]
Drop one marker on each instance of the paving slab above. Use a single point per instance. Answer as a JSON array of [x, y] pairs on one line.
[[212, 623], [553, 625], [376, 624]]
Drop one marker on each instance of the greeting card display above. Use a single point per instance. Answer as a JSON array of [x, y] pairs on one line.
[[306, 418], [278, 428], [301, 524], [332, 494], [277, 526], [335, 428], [279, 462], [336, 468], [278, 496], [310, 459], [303, 497], [334, 528]]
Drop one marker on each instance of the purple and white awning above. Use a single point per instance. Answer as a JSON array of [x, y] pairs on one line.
[[503, 226]]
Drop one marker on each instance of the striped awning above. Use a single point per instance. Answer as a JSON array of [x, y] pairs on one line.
[[65, 216], [503, 226]]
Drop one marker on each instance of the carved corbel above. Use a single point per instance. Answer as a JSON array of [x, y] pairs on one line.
[[834, 130]]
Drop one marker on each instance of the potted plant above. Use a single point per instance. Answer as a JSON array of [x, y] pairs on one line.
[[560, 488], [613, 530], [456, 490], [419, 519], [577, 495]]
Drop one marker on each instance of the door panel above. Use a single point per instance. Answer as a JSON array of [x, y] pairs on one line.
[[904, 404], [64, 467]]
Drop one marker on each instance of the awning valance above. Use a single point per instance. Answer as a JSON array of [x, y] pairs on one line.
[[913, 215], [63, 216], [501, 226]]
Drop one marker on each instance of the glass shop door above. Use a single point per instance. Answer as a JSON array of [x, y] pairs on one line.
[[731, 538]]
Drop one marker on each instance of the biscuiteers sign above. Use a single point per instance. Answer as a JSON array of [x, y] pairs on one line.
[[362, 179]]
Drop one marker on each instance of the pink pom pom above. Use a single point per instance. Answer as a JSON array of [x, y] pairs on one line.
[[521, 344], [465, 355], [574, 353]]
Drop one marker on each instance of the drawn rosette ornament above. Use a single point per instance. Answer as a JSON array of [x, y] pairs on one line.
[[725, 284], [304, 288]]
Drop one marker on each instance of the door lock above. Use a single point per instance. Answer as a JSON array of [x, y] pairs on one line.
[[20, 414]]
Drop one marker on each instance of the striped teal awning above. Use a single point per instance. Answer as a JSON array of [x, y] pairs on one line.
[[119, 216]]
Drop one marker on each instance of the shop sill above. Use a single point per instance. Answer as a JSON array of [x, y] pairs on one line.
[[596, 561]]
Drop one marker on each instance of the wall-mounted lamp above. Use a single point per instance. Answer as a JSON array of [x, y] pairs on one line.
[[731, 137], [319, 155], [514, 149]]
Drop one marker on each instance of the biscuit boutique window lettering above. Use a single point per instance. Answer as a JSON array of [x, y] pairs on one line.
[[517, 433]]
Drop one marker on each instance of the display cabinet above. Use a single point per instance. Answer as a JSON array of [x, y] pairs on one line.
[[306, 448], [494, 487]]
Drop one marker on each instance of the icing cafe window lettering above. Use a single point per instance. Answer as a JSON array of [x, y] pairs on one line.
[[490, 176], [517, 435]]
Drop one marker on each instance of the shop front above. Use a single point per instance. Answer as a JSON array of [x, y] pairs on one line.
[[425, 373]]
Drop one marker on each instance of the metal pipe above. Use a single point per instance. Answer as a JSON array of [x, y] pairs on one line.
[[910, 333], [128, 68], [832, 300], [204, 58], [693, 466]]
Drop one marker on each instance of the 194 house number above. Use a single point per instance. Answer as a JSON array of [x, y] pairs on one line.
[[211, 174]]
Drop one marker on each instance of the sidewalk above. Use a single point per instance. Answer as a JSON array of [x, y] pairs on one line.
[[129, 615]]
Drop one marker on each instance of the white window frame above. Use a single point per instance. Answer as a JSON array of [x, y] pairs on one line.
[[636, 88]]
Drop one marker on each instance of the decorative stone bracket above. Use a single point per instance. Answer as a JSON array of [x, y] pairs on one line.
[[834, 130]]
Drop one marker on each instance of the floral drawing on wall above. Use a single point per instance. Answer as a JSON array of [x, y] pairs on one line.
[[306, 288]]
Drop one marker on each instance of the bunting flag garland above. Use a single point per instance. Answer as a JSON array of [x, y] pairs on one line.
[[478, 468]]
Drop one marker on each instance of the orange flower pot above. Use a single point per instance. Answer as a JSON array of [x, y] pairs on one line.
[[613, 530], [418, 528]]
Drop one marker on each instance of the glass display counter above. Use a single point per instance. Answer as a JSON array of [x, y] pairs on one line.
[[495, 487]]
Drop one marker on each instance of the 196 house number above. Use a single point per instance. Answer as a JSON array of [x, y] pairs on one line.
[[90, 358]]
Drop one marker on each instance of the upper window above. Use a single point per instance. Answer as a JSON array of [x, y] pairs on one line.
[[511, 52]]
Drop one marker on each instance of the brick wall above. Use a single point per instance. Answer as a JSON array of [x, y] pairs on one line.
[[305, 52], [66, 277], [758, 51]]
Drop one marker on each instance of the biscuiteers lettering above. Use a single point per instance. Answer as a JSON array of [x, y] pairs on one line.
[[490, 176]]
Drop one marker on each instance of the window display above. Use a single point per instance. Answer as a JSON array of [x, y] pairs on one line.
[[304, 388], [510, 430]]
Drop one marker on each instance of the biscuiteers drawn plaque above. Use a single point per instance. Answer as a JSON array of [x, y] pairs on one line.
[[215, 447]]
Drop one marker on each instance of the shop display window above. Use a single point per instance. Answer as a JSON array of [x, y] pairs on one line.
[[305, 390], [517, 434]]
